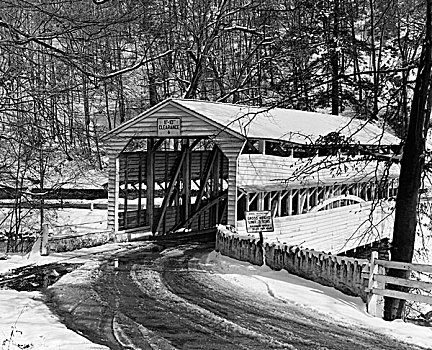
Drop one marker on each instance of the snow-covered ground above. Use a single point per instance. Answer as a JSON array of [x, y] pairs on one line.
[[325, 300], [27, 321]]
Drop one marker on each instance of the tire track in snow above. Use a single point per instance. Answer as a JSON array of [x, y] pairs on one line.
[[150, 283]]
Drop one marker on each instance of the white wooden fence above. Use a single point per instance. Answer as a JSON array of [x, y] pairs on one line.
[[378, 279]]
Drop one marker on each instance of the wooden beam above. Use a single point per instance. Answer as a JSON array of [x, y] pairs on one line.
[[205, 177], [426, 268], [242, 193], [327, 190], [373, 189], [216, 182], [251, 146], [247, 201], [401, 295], [279, 204], [194, 143], [139, 189], [262, 146], [223, 210], [281, 151], [113, 194], [356, 189], [186, 180], [125, 208], [284, 193], [260, 201], [255, 195], [172, 184], [289, 202], [201, 210], [150, 183], [157, 144], [299, 202], [427, 286]]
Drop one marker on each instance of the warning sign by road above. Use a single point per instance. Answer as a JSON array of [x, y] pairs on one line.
[[259, 221]]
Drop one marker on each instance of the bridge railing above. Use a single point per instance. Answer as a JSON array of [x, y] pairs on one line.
[[378, 284]]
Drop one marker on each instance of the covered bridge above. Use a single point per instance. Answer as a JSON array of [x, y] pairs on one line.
[[190, 165]]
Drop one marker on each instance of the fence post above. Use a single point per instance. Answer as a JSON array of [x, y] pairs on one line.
[[374, 302], [44, 248], [371, 298]]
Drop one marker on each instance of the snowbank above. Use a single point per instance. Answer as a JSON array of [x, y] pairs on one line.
[[322, 299]]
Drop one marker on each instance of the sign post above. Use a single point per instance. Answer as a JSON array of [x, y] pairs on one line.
[[44, 248]]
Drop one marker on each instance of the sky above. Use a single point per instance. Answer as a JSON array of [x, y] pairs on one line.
[[26, 321]]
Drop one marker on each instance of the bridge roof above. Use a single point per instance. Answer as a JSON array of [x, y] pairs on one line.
[[287, 124]]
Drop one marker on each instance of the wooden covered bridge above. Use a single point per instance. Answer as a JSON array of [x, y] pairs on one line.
[[187, 165]]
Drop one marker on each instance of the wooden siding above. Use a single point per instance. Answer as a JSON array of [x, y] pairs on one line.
[[259, 172], [146, 126], [192, 126], [170, 217], [132, 219], [334, 230], [231, 148], [113, 193]]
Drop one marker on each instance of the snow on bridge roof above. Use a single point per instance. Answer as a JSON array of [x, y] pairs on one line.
[[288, 124]]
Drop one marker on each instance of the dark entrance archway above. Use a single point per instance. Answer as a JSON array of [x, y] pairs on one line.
[[172, 184]]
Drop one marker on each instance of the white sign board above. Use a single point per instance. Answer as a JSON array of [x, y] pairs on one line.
[[259, 221], [168, 127]]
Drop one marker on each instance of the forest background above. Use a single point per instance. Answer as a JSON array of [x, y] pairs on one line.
[[71, 70]]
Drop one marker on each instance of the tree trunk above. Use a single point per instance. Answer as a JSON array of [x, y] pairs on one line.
[[412, 164], [335, 60], [86, 103], [152, 89], [375, 66]]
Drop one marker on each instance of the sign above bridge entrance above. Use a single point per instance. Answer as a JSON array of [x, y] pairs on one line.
[[169, 127]]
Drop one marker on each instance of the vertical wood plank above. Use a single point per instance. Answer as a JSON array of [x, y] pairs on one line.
[[232, 190], [371, 298], [279, 205], [289, 202], [186, 180], [262, 146], [261, 201], [172, 185], [299, 201], [150, 183], [216, 181], [247, 201], [139, 189], [357, 189], [113, 194], [126, 180]]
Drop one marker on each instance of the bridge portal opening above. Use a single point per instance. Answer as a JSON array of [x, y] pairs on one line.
[[172, 185]]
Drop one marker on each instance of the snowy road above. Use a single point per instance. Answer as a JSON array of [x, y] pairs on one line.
[[179, 299]]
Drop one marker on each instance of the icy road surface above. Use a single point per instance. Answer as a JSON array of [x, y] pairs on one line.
[[180, 299]]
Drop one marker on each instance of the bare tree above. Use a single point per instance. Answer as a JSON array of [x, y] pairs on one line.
[[412, 165]]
